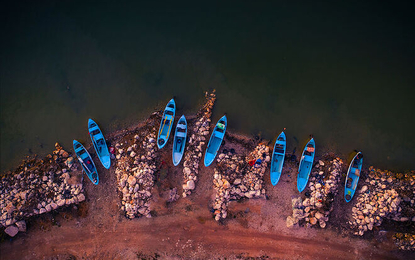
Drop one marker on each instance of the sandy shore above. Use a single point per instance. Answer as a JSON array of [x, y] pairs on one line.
[[184, 227]]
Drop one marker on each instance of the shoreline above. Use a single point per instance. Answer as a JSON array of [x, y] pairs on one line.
[[148, 185]]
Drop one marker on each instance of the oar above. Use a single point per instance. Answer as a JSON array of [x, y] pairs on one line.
[[86, 167]]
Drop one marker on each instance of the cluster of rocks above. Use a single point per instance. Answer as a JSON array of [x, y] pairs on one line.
[[135, 169], [37, 187], [319, 195], [379, 198], [236, 178], [194, 147], [404, 241]]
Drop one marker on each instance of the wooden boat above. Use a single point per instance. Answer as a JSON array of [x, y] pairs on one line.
[[100, 144], [352, 177], [277, 160], [215, 141], [306, 164], [86, 162], [179, 141], [166, 124]]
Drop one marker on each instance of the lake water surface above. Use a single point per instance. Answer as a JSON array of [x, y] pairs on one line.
[[342, 72]]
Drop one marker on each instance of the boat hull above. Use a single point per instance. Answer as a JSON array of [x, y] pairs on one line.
[[179, 141], [166, 124], [277, 160], [353, 175], [215, 141], [86, 162], [306, 163], [100, 144]]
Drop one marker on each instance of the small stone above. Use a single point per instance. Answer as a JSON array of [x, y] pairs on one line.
[[54, 205], [42, 210], [321, 163], [81, 197], [290, 222], [313, 221], [237, 181], [190, 185], [186, 171], [318, 215], [11, 231], [131, 180], [21, 225], [364, 188], [322, 223]]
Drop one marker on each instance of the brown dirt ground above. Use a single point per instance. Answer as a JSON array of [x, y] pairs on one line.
[[185, 229]]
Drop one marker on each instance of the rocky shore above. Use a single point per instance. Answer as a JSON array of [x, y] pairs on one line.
[[236, 178], [198, 137], [317, 203], [37, 187], [383, 195], [135, 167]]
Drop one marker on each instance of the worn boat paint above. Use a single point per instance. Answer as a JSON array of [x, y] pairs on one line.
[[99, 143], [179, 141], [306, 163], [278, 156], [166, 124], [215, 141], [86, 162], [352, 178]]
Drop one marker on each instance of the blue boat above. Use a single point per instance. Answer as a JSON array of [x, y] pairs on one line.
[[215, 141], [166, 124], [86, 162], [306, 164], [278, 156], [352, 177], [179, 141], [100, 144]]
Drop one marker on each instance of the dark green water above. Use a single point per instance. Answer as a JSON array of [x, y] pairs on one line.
[[342, 72]]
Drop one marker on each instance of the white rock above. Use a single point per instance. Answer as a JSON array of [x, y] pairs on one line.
[[60, 203], [42, 210], [267, 158], [11, 231], [290, 222], [54, 205], [237, 181], [318, 215], [190, 185], [21, 225], [80, 197], [131, 181], [186, 171], [321, 162], [322, 223]]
